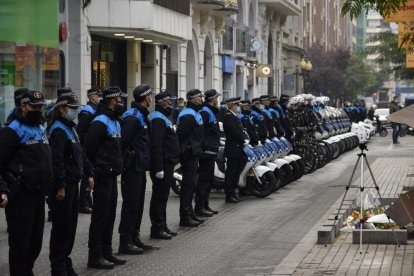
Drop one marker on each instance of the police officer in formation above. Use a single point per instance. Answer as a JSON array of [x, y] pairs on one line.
[[69, 165], [233, 149], [208, 155], [259, 119], [247, 122], [267, 114], [190, 133], [135, 140], [25, 173], [85, 117], [102, 144], [165, 154]]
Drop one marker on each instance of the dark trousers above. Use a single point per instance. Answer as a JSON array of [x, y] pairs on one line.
[[103, 215], [205, 180], [64, 223], [159, 198], [133, 186], [25, 216], [189, 171], [85, 197], [396, 128], [233, 170]]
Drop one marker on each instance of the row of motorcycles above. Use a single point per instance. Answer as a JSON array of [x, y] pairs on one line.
[[278, 162]]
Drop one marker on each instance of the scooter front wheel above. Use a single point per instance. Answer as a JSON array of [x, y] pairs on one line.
[[383, 132], [267, 186]]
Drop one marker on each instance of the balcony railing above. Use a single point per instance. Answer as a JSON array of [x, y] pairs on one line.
[[241, 41], [284, 7]]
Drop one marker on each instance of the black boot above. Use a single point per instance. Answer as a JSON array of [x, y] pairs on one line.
[[215, 212], [96, 260], [160, 235], [169, 231], [199, 220], [189, 222], [202, 212], [110, 257], [136, 240], [127, 247]]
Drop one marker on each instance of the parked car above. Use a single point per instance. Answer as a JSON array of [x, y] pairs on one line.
[[383, 114]]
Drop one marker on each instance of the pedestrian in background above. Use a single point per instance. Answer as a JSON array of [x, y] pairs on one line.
[[396, 128], [135, 138], [165, 154], [69, 166], [102, 145], [26, 168], [190, 133]]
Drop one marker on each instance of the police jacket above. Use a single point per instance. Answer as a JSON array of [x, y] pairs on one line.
[[259, 121], [190, 130], [211, 140], [102, 143], [269, 122], [136, 138], [25, 156], [85, 117], [249, 126], [277, 122], [164, 140], [235, 137], [69, 160]]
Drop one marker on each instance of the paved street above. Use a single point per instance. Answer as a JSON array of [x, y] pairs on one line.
[[250, 238]]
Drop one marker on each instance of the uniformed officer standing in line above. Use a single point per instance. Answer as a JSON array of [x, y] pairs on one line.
[[136, 155], [26, 168], [274, 109], [85, 117], [18, 94], [259, 119], [268, 116], [209, 153], [102, 145], [165, 154], [247, 122], [190, 133], [69, 166], [233, 150]]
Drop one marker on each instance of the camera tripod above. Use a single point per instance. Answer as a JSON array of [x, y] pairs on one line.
[[362, 157]]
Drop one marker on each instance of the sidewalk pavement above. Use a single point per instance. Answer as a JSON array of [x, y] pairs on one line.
[[393, 169]]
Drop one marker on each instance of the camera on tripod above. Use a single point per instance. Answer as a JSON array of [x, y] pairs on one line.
[[363, 146]]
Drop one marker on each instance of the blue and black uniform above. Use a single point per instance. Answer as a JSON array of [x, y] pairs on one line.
[[25, 173], [260, 122], [85, 117], [208, 156], [233, 151], [190, 133], [69, 166], [269, 122], [280, 132], [165, 154], [249, 126], [135, 140], [102, 145]]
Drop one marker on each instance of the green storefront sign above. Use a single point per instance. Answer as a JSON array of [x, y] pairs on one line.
[[30, 22]]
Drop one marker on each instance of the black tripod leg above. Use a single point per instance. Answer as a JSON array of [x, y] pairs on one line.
[[343, 199], [379, 195]]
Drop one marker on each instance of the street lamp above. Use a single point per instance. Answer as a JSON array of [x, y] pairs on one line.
[[306, 67]]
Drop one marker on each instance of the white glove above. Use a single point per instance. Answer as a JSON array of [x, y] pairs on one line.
[[260, 143], [246, 142], [159, 175]]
